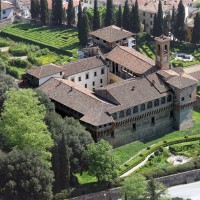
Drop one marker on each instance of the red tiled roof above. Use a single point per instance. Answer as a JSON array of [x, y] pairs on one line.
[[65, 4], [6, 5]]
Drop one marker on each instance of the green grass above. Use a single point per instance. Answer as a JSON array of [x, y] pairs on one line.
[[125, 152], [85, 178], [58, 38], [46, 59]]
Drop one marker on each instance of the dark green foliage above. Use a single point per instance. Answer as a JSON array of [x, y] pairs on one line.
[[132, 19], [24, 175], [109, 20], [57, 12], [179, 31], [155, 25], [64, 15], [166, 24], [35, 9], [19, 63], [70, 14], [196, 29], [136, 27], [44, 12], [12, 72], [119, 17], [173, 20], [96, 18], [126, 16], [80, 17], [159, 22]]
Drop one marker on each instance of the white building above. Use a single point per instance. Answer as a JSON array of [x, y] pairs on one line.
[[6, 10]]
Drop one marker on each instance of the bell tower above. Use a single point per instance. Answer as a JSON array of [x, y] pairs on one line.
[[162, 52]]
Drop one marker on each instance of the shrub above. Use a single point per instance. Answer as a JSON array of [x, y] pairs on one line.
[[19, 49], [19, 63], [12, 72]]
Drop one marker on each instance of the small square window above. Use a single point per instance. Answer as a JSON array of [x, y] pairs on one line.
[[143, 13], [93, 83], [190, 96], [134, 127], [87, 76], [4, 12], [60, 73], [182, 99], [95, 73], [152, 120], [72, 79], [85, 85], [102, 71], [101, 80], [79, 78]]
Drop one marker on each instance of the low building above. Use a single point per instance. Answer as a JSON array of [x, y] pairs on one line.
[[6, 10]]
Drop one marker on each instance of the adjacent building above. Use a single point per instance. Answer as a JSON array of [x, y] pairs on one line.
[[6, 10]]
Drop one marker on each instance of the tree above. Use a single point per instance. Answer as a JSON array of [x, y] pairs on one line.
[[159, 22], [132, 19], [44, 12], [136, 18], [196, 29], [166, 24], [96, 18], [22, 122], [70, 13], [102, 161], [64, 15], [119, 17], [79, 24], [84, 28], [126, 16], [35, 7], [134, 187], [57, 12], [156, 190], [155, 25], [179, 31], [24, 175], [109, 13], [173, 20]]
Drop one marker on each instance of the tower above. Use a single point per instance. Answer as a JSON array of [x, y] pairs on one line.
[[162, 52]]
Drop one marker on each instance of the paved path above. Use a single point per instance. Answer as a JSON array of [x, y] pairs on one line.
[[4, 49], [18, 57], [191, 191]]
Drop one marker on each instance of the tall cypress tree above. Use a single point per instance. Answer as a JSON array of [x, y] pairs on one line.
[[179, 30], [155, 25], [80, 16], [84, 28], [159, 20], [137, 18], [57, 12], [132, 19], [44, 11], [109, 13], [126, 16], [70, 13], [196, 29], [119, 16], [35, 7], [0, 10], [96, 18], [173, 20]]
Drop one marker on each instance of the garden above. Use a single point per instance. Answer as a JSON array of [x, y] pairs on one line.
[[60, 40], [146, 45], [20, 56]]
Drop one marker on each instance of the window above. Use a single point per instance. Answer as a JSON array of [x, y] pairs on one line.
[[72, 79], [135, 109], [4, 12], [95, 73], [115, 116], [142, 107], [85, 85], [169, 98], [79, 78], [163, 100], [143, 21], [101, 80], [152, 120], [134, 127], [60, 73], [121, 114], [143, 13], [149, 105], [190, 96], [128, 112], [156, 102], [171, 114], [182, 99], [87, 76], [151, 15], [102, 71], [151, 22]]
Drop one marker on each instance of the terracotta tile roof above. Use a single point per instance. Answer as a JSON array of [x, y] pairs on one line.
[[83, 65], [6, 5], [28, 2], [132, 92], [65, 4], [44, 70], [79, 99], [132, 60], [111, 33]]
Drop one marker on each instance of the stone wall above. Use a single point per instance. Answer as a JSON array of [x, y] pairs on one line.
[[197, 103]]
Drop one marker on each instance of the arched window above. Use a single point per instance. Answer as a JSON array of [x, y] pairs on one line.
[[121, 114], [128, 112], [135, 109], [163, 100], [142, 107], [115, 116], [169, 98], [156, 102], [149, 105]]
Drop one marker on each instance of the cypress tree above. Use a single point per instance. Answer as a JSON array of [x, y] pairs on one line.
[[126, 16], [179, 30], [119, 16], [109, 13], [80, 16], [132, 19], [0, 10], [159, 20], [44, 11], [155, 25], [137, 18], [84, 28], [173, 19], [70, 13], [96, 18], [35, 7], [64, 17], [57, 12], [196, 29]]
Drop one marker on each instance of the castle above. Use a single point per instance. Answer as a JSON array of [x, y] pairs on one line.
[[121, 96]]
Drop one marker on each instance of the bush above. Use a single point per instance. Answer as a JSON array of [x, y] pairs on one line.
[[12, 72], [19, 63], [19, 49]]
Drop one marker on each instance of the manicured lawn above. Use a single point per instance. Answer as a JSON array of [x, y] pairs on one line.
[[125, 152], [85, 178], [58, 38]]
